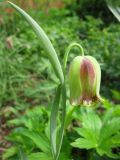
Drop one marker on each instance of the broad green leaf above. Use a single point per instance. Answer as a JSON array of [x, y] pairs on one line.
[[110, 128], [87, 134], [91, 126], [84, 143], [111, 113], [90, 130], [108, 137], [44, 41], [10, 152], [45, 156], [40, 156], [40, 140]]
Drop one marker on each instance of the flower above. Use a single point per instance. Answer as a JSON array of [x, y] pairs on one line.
[[84, 80]]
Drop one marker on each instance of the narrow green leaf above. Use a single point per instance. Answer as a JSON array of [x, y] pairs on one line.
[[53, 120], [22, 154], [115, 11], [61, 132], [44, 41]]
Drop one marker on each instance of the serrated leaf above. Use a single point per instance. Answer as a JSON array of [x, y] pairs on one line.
[[91, 125], [46, 156], [40, 156], [90, 130], [108, 139], [41, 141], [84, 143], [110, 128]]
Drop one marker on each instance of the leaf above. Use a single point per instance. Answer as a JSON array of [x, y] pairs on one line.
[[40, 140], [10, 152], [61, 131], [112, 112], [44, 41], [83, 143], [53, 119], [91, 125], [116, 140], [45, 156], [116, 95], [108, 137], [115, 11], [63, 156], [22, 154], [114, 7], [40, 156], [110, 128]]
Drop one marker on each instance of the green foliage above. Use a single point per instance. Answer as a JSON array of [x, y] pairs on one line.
[[101, 135], [96, 132], [32, 134], [25, 75], [93, 8]]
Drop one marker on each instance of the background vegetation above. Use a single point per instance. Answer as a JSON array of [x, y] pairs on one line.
[[26, 76]]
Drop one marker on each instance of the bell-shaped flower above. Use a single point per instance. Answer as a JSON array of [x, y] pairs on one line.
[[84, 80]]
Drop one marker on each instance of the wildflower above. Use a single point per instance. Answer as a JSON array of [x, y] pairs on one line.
[[84, 80]]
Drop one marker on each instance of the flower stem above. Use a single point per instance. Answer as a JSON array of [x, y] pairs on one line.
[[68, 51]]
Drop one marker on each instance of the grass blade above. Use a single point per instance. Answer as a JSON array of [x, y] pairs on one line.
[[44, 41]]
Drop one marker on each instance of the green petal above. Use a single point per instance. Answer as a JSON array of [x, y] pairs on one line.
[[74, 80]]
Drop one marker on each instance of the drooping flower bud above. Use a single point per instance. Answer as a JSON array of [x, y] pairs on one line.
[[84, 80]]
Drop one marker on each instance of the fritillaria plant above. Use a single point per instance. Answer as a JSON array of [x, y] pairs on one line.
[[84, 80]]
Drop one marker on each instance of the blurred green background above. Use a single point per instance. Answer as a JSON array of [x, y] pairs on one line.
[[26, 76]]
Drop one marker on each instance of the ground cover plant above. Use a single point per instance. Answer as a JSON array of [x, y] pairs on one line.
[[86, 130], [39, 133]]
